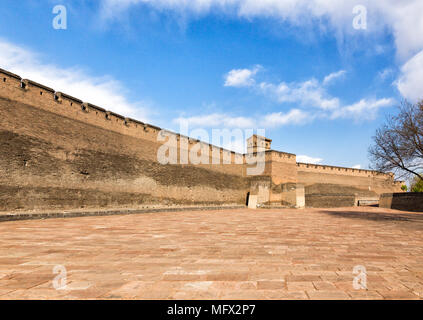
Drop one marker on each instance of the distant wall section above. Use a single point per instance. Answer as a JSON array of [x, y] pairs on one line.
[[406, 201]]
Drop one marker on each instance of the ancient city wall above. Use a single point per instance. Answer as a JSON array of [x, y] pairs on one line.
[[309, 174], [283, 172], [331, 186], [58, 152]]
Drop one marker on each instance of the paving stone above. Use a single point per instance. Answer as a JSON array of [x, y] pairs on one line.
[[328, 295], [221, 254], [271, 285], [398, 294]]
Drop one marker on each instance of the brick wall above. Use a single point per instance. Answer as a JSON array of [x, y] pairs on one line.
[[406, 201], [60, 152], [363, 179]]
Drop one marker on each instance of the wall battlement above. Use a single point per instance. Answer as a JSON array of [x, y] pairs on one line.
[[85, 111], [340, 170], [39, 95]]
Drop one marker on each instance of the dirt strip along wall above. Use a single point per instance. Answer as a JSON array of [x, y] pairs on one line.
[[58, 152]]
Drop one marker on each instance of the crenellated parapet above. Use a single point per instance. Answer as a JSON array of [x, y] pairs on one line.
[[281, 166], [320, 168], [102, 158], [41, 96]]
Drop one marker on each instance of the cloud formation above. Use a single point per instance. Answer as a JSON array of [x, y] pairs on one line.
[[217, 120], [410, 82], [241, 77], [293, 117], [104, 91], [333, 76], [313, 93], [365, 109], [308, 93], [401, 18], [222, 120], [308, 159]]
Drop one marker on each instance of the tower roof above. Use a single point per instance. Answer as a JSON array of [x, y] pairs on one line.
[[260, 137]]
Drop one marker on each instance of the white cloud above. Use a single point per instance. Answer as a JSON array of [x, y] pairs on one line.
[[105, 91], [217, 120], [333, 76], [241, 77], [312, 93], [307, 159], [293, 117], [308, 93], [401, 18], [410, 82], [246, 125], [357, 166], [221, 120], [365, 109], [385, 73]]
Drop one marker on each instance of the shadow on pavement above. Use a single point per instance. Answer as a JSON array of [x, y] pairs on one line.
[[376, 216]]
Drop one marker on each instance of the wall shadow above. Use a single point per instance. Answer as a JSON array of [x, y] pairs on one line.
[[375, 216]]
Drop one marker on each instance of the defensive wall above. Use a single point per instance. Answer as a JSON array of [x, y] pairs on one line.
[[57, 151], [406, 201]]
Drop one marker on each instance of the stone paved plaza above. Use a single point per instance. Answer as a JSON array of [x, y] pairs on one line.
[[230, 254]]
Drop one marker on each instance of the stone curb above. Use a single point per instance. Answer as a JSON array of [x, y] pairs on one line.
[[53, 215]]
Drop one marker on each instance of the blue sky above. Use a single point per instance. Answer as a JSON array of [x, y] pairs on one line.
[[318, 86]]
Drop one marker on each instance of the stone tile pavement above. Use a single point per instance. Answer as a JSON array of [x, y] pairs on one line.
[[230, 254]]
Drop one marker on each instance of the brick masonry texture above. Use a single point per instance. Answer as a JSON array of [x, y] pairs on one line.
[[225, 254], [57, 152], [402, 201]]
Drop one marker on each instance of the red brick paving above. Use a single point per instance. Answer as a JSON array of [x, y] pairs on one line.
[[233, 254]]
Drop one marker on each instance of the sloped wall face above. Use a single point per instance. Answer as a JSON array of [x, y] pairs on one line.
[[54, 159]]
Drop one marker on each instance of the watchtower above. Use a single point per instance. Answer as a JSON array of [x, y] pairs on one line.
[[257, 143]]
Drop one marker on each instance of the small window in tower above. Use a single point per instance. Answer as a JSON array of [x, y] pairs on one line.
[[23, 85], [41, 93], [4, 79]]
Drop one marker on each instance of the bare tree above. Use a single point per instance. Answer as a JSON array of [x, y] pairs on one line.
[[398, 144]]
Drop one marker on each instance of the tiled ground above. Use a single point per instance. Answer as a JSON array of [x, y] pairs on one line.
[[237, 254]]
